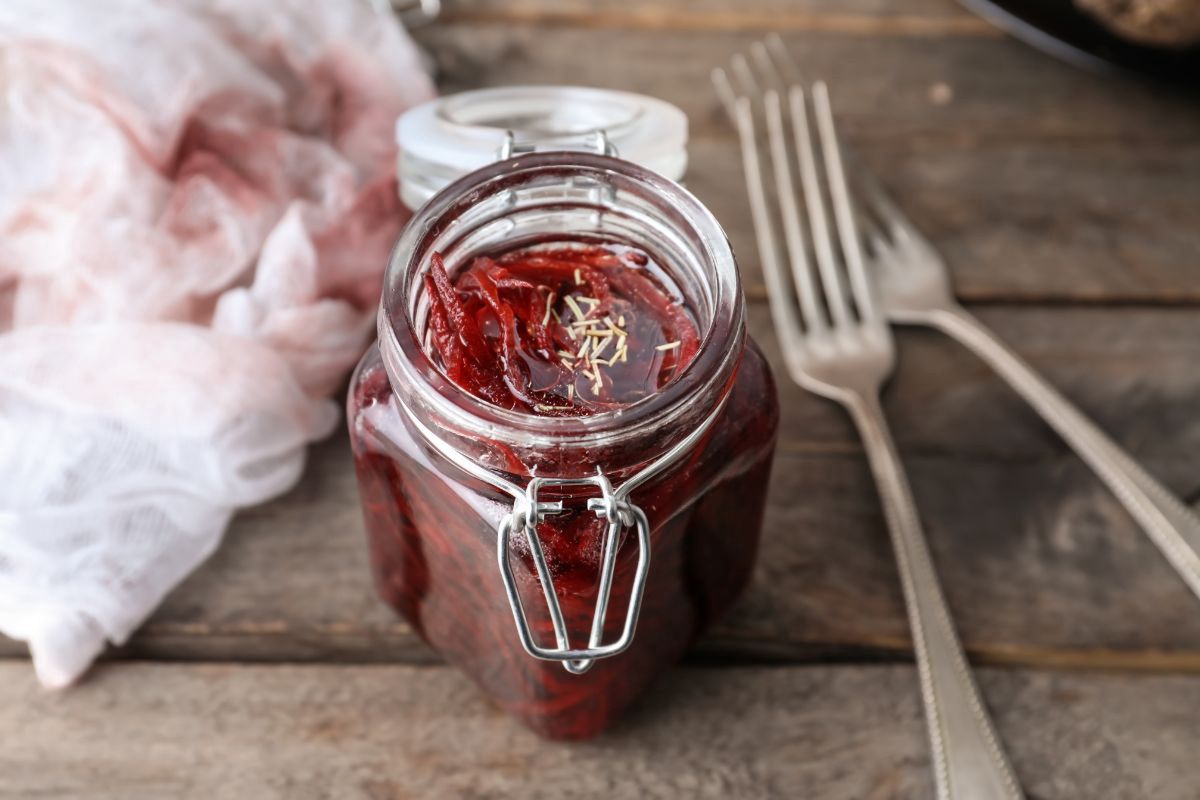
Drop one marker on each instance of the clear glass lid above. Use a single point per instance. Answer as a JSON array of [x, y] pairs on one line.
[[444, 139]]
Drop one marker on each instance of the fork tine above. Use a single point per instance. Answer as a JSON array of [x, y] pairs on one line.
[[766, 67], [871, 191], [872, 227], [818, 223], [725, 93], [745, 75], [840, 195], [793, 228], [787, 323], [783, 59]]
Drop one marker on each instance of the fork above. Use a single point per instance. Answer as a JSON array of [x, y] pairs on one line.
[[914, 284], [837, 344]]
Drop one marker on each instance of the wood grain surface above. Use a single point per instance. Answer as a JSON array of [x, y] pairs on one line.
[[1040, 563], [911, 18], [145, 732], [1037, 181], [1067, 206]]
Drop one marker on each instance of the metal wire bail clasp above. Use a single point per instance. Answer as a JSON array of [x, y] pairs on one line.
[[593, 142], [621, 514]]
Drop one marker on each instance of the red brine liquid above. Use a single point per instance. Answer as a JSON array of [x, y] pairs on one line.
[[561, 330]]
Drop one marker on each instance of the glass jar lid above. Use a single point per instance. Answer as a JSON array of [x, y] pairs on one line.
[[444, 139]]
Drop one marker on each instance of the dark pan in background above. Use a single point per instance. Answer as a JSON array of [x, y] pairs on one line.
[[1059, 28]]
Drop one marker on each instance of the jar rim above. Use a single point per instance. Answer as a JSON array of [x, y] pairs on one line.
[[408, 363]]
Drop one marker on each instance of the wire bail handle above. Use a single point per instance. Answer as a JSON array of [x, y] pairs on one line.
[[621, 514], [613, 505], [596, 142]]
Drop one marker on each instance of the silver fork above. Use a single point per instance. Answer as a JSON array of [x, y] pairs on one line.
[[915, 287], [836, 343]]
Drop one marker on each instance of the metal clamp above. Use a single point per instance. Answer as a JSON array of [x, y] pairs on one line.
[[612, 505], [594, 142]]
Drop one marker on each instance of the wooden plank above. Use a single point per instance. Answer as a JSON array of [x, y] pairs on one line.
[[1037, 181], [236, 731], [1001, 92], [913, 17], [1131, 370], [1037, 222], [1040, 567], [1054, 572]]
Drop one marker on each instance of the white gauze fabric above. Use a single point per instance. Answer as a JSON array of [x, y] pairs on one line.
[[196, 202]]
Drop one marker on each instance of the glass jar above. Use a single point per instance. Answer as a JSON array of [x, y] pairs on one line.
[[526, 549]]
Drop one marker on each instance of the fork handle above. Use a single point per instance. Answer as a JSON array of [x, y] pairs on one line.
[[969, 763], [1165, 519]]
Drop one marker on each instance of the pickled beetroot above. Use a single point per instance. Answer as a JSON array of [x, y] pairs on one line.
[[510, 328], [564, 331], [434, 556]]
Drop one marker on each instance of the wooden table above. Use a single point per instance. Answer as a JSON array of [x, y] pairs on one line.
[[1069, 207]]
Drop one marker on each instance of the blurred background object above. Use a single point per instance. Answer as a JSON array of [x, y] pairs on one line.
[[1162, 23], [196, 201], [1157, 38]]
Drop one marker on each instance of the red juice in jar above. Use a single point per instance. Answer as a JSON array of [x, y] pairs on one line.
[[563, 436]]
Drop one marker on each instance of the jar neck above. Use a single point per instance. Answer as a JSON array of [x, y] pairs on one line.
[[564, 197]]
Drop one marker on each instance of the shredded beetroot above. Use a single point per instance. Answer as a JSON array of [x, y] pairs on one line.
[[563, 331]]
